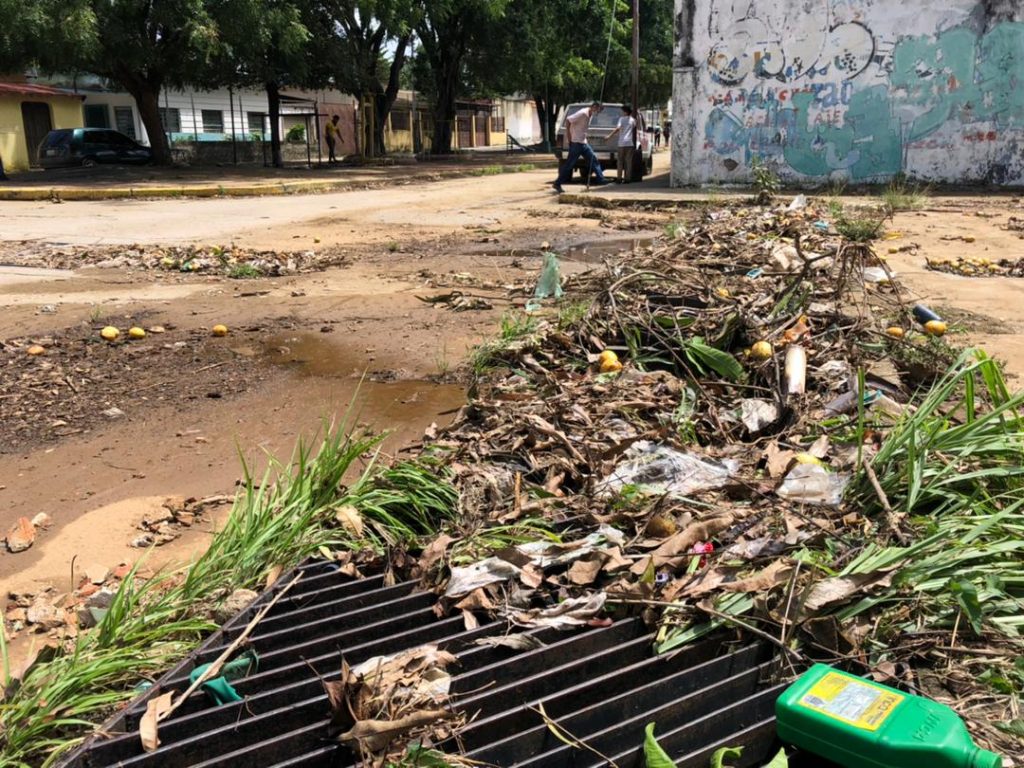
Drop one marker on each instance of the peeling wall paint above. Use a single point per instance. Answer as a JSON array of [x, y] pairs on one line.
[[849, 90]]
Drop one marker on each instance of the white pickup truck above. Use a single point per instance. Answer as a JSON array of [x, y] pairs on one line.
[[601, 126]]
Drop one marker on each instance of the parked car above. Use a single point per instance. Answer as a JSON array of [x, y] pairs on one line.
[[601, 126], [89, 146]]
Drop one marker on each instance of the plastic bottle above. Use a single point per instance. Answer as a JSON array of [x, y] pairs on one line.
[[858, 723]]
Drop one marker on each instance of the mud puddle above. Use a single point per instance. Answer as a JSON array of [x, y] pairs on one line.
[[596, 252]]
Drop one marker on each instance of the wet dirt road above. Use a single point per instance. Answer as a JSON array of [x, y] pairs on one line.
[[302, 348]]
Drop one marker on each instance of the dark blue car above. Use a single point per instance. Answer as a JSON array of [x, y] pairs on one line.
[[90, 146]]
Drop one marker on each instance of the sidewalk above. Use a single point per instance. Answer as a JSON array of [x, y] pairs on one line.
[[117, 183]]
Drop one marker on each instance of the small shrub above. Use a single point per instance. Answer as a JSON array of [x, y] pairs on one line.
[[243, 272], [902, 196], [296, 133], [859, 228], [766, 181]]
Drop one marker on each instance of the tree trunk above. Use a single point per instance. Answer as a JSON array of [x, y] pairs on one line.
[[383, 102], [274, 106], [547, 115], [444, 110], [147, 100]]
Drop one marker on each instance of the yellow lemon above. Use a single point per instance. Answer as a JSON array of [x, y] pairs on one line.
[[110, 333], [219, 330], [935, 328], [895, 331], [761, 350], [35, 349], [610, 366], [607, 357], [806, 458], [136, 333], [723, 292]]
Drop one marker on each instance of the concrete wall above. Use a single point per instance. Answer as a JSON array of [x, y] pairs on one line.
[[65, 112], [849, 90]]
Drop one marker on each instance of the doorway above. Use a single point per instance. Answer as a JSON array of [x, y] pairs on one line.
[[35, 115]]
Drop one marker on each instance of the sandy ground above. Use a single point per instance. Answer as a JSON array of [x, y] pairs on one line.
[[303, 348], [384, 349], [985, 311]]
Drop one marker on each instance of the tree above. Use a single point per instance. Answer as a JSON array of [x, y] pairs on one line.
[[559, 52], [145, 46], [448, 30], [44, 33], [270, 44], [363, 30]]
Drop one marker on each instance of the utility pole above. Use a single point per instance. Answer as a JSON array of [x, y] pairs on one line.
[[635, 79]]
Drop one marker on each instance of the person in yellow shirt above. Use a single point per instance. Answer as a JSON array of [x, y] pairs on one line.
[[331, 134]]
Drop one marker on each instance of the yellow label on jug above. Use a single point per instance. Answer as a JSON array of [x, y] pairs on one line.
[[855, 702]]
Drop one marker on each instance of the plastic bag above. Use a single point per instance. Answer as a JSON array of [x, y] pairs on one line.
[[658, 469], [813, 484], [550, 283]]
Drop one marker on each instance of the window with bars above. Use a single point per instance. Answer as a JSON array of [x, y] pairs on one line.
[[213, 121], [400, 120], [498, 123], [257, 123], [170, 119], [124, 119]]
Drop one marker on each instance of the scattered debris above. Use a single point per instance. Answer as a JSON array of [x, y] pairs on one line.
[[21, 536]]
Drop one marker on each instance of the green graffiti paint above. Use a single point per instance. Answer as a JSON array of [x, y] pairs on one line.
[[867, 145]]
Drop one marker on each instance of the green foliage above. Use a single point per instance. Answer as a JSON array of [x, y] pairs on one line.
[[766, 181], [858, 228], [514, 329], [900, 195], [296, 133], [243, 272], [654, 755], [725, 753], [704, 357], [279, 519]]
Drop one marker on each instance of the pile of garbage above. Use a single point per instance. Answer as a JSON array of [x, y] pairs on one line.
[[228, 260], [747, 428]]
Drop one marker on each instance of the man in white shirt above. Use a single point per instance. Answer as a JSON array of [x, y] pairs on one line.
[[626, 130], [576, 126]]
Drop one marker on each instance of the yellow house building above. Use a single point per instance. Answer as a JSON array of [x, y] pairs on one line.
[[27, 113]]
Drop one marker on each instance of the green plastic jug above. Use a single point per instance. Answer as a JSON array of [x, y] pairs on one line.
[[861, 724]]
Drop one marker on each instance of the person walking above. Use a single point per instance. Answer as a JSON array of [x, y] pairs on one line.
[[331, 134], [657, 136], [576, 126], [626, 131]]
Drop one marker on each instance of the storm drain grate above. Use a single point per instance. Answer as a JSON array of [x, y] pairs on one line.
[[603, 685]]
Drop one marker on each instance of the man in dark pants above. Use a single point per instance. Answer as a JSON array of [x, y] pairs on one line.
[[576, 126]]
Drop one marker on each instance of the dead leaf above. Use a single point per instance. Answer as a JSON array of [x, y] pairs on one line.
[[819, 448], [531, 576], [778, 572], [273, 575], [148, 725], [614, 560], [778, 459], [838, 588], [477, 600], [435, 551], [585, 571], [668, 553], [517, 642], [350, 519], [376, 735], [698, 584], [469, 621]]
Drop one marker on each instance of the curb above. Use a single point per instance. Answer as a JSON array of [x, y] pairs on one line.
[[247, 190]]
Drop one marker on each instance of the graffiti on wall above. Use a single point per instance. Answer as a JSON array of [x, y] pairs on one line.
[[809, 86]]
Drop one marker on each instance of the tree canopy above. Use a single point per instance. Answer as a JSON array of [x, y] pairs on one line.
[[557, 51]]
